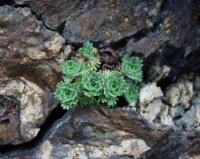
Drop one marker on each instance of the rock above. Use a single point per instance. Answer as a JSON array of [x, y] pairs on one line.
[[157, 113], [25, 39], [76, 135], [196, 106], [166, 118], [197, 116], [151, 111], [194, 157], [27, 71], [158, 73], [65, 54], [197, 83], [177, 111], [9, 120], [148, 93], [188, 119], [34, 106], [164, 33], [180, 93], [116, 19], [170, 29], [186, 144]]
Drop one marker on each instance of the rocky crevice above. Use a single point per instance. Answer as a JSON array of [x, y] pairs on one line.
[[170, 52]]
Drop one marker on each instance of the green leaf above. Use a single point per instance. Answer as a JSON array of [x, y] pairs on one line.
[[87, 50], [132, 68], [92, 84], [132, 92], [114, 84], [87, 101], [66, 94], [72, 68], [85, 84], [109, 101]]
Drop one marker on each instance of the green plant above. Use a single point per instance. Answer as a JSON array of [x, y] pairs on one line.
[[132, 68], [85, 83]]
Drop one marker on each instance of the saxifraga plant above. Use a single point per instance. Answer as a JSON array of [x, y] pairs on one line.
[[84, 82]]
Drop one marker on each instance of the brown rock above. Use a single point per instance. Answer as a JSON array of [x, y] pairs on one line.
[[97, 20]]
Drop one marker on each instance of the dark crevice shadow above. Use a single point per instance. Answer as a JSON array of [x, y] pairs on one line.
[[6, 2], [56, 114]]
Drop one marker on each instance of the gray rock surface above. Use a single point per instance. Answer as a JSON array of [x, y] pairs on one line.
[[148, 93]]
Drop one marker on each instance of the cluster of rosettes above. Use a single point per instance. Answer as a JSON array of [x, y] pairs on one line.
[[84, 82]]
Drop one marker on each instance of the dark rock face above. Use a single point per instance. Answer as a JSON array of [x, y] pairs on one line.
[[25, 47], [97, 20], [164, 124]]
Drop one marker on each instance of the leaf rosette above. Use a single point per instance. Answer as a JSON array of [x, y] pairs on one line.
[[132, 68], [92, 84], [131, 93], [72, 68], [114, 84], [66, 94]]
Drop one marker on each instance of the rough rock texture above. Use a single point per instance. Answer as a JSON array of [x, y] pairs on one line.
[[25, 47], [33, 108], [180, 94], [86, 133], [148, 93], [116, 19], [37, 36]]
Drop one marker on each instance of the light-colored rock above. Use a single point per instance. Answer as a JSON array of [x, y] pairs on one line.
[[31, 98], [55, 43], [64, 54], [152, 110], [45, 152], [197, 119], [180, 93], [196, 105], [165, 117], [149, 92], [83, 151], [194, 157]]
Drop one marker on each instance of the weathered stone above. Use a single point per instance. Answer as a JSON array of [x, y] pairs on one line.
[[177, 111], [165, 31], [9, 120], [97, 21], [34, 106], [151, 111], [165, 117], [180, 93], [24, 39], [176, 27], [157, 73], [26, 46], [188, 119], [76, 135], [148, 93]]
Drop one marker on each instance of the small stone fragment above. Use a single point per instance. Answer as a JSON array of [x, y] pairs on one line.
[[148, 93]]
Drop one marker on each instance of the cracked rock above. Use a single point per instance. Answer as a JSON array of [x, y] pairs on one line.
[[180, 94], [97, 20], [87, 140], [33, 107], [148, 93], [24, 39]]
